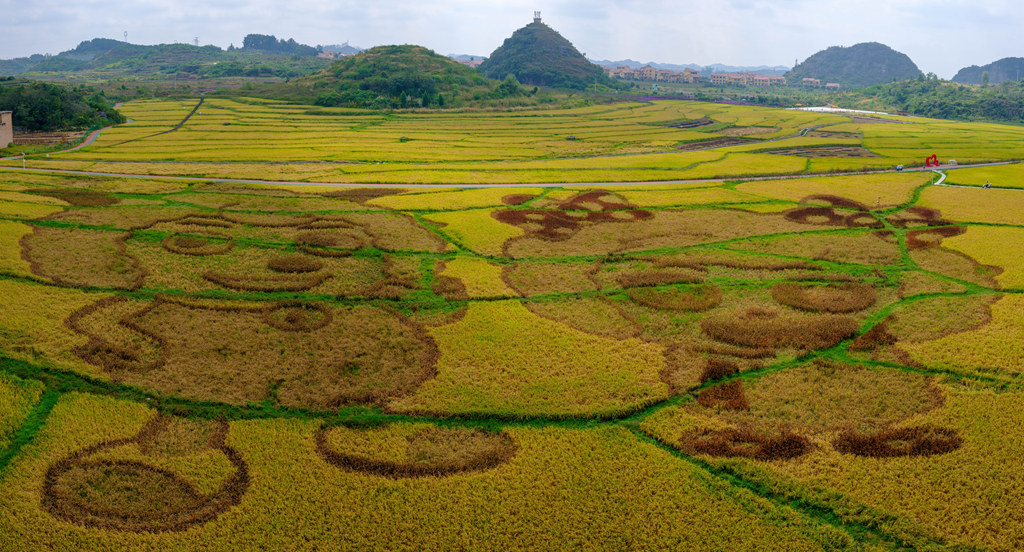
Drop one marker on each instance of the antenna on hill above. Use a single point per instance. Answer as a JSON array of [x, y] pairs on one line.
[[126, 36], [536, 17], [195, 41]]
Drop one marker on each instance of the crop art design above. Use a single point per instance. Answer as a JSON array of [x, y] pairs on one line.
[[134, 484]]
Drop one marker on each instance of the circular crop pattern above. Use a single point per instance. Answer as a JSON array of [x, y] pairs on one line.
[[863, 220], [517, 199], [330, 243], [815, 215], [429, 451], [298, 316], [693, 299], [89, 488], [190, 244], [835, 298], [930, 237], [907, 441], [729, 396], [294, 264], [745, 443], [766, 329]]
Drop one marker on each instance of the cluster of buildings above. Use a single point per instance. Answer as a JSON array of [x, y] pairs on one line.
[[747, 79], [690, 76], [648, 73], [816, 83]]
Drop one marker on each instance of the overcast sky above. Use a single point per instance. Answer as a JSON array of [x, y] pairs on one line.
[[941, 36]]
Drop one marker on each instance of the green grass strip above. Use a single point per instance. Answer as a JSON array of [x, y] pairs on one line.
[[30, 428]]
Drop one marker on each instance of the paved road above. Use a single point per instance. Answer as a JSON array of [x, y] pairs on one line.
[[524, 185]]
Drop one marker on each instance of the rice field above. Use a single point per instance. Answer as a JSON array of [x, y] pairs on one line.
[[829, 363], [266, 140]]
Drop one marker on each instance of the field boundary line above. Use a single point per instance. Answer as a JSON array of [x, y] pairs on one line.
[[476, 186], [30, 427]]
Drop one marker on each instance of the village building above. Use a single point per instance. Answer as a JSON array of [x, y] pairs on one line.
[[6, 128], [812, 82], [832, 86], [648, 73], [746, 79]]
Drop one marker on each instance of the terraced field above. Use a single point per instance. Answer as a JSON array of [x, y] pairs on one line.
[[651, 141], [831, 363]]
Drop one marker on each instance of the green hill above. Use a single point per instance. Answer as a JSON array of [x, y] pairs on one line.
[[45, 106], [106, 58], [397, 77], [536, 54], [1006, 69], [857, 66]]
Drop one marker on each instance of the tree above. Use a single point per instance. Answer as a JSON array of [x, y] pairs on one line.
[[984, 78]]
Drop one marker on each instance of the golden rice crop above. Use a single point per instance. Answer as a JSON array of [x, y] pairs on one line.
[[502, 359], [988, 245], [534, 500]]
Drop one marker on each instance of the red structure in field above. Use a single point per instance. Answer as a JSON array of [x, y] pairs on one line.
[[932, 161]]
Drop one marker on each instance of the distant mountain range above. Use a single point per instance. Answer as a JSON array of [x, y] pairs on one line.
[[261, 55], [713, 68], [1006, 69], [342, 49]]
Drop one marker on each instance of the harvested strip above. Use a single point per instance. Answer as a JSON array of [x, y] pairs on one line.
[[333, 243], [517, 199], [298, 316], [815, 215], [294, 264], [836, 201], [450, 288], [78, 197], [835, 298], [716, 369], [728, 396], [744, 443], [185, 244], [907, 441], [931, 237], [692, 299], [268, 282], [766, 329], [645, 278], [428, 451]]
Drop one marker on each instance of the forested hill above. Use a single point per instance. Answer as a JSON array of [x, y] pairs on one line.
[[1006, 69], [261, 55], [388, 77], [45, 106], [857, 66], [536, 54]]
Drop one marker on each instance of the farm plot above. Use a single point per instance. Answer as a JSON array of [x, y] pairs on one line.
[[651, 141], [820, 364]]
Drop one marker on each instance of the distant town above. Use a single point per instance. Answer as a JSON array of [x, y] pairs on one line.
[[692, 76]]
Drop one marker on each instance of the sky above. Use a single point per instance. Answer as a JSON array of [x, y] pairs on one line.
[[940, 36]]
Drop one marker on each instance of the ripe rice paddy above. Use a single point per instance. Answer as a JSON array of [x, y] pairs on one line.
[[802, 364]]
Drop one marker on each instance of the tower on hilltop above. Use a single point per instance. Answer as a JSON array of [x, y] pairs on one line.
[[536, 17]]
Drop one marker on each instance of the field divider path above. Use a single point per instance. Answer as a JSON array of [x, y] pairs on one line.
[[30, 427], [510, 186], [816, 508], [176, 127]]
